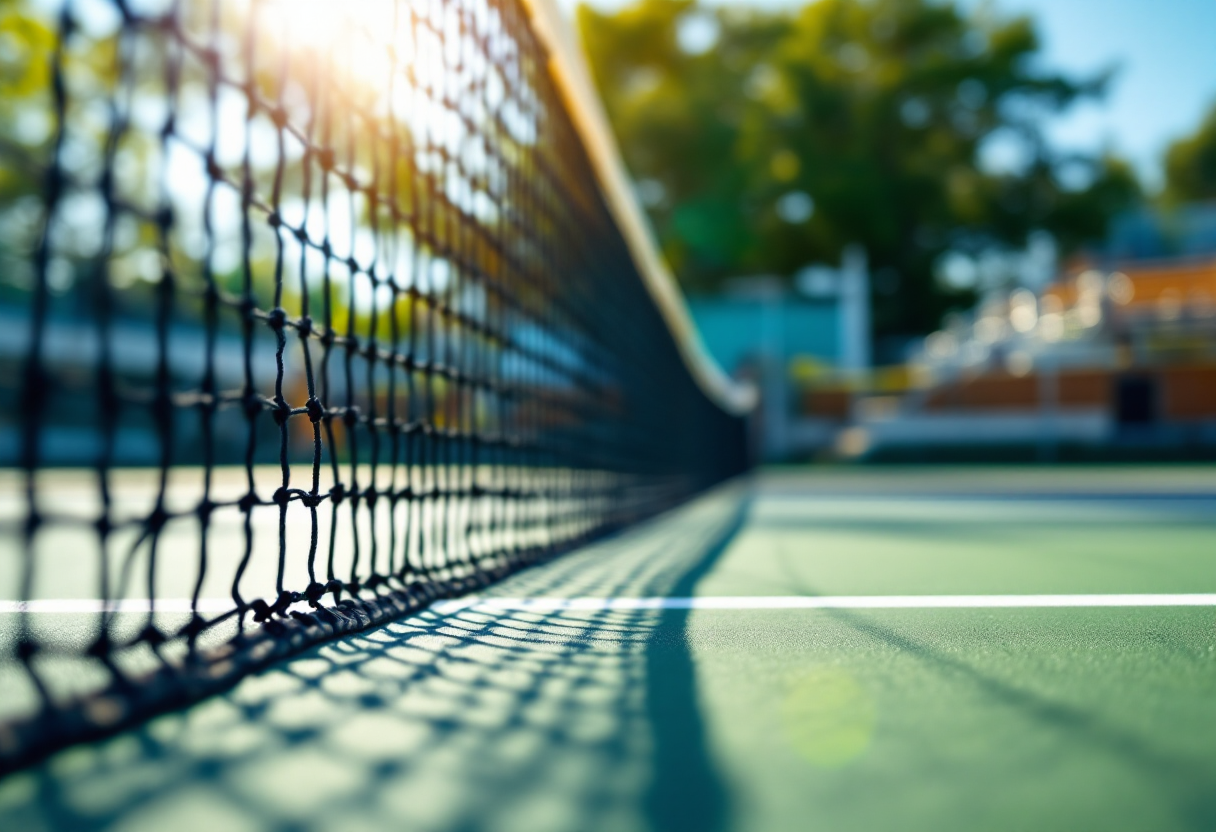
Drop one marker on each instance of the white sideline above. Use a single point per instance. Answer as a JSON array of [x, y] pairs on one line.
[[761, 602], [827, 602], [52, 606]]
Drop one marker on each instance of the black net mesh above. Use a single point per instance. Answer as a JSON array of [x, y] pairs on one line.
[[312, 312]]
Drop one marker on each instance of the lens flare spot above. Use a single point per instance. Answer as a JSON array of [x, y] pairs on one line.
[[829, 717]]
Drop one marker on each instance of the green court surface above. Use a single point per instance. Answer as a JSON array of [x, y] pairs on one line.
[[690, 716]]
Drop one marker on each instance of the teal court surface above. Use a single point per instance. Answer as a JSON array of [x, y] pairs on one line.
[[851, 649]]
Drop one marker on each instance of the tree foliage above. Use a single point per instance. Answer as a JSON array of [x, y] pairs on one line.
[[1190, 164], [798, 133]]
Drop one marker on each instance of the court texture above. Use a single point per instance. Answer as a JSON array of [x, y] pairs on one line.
[[807, 648]]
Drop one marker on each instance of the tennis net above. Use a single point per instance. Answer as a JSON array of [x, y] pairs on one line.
[[312, 313]]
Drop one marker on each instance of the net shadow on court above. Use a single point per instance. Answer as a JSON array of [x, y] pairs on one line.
[[1187, 785], [470, 719], [1181, 779]]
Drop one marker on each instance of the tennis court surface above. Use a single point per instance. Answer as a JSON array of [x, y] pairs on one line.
[[822, 649]]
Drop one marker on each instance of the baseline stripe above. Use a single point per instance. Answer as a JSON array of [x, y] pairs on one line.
[[758, 602]]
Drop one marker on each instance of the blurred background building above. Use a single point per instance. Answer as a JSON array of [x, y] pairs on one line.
[[1115, 357], [774, 333], [1110, 354]]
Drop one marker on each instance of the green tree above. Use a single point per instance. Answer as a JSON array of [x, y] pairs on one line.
[[1190, 164], [797, 133]]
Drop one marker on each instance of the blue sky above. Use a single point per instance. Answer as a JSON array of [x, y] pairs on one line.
[[1166, 54], [1165, 51]]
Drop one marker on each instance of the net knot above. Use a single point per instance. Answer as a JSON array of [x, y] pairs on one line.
[[351, 416], [325, 158], [285, 600], [281, 412], [315, 410], [261, 610], [157, 519], [247, 502], [337, 494], [310, 500], [304, 326], [282, 496], [252, 404], [273, 219]]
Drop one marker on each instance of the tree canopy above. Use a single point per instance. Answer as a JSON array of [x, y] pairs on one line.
[[1190, 164], [764, 141]]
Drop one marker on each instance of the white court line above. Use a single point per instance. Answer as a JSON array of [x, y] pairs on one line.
[[801, 602], [760, 602], [92, 605]]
